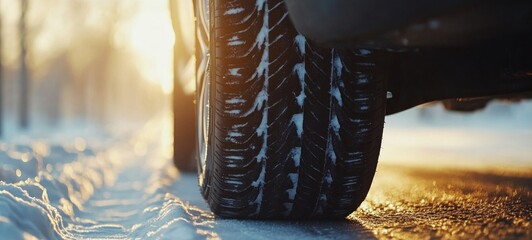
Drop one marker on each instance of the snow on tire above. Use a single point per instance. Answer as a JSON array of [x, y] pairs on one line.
[[294, 130]]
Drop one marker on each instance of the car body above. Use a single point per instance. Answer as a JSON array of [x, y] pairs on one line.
[[409, 23]]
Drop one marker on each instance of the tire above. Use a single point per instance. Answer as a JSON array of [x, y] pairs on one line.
[[184, 131], [288, 129], [183, 102]]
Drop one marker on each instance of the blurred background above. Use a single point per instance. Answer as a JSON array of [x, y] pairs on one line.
[[77, 64]]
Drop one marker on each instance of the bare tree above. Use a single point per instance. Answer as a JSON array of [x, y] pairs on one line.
[[24, 76]]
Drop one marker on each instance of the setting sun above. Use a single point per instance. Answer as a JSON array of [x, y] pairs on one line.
[[150, 36]]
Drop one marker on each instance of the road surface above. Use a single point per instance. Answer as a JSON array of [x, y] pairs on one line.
[[127, 188]]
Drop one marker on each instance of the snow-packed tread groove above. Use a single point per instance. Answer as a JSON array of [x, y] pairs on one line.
[[294, 126], [282, 170]]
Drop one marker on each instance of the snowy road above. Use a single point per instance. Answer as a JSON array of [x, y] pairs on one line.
[[126, 188]]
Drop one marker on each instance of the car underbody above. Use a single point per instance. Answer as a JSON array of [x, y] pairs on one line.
[[495, 68], [432, 50]]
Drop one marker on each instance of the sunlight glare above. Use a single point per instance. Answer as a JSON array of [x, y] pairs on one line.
[[150, 36]]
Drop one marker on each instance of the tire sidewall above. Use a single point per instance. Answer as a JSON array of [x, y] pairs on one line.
[[204, 170]]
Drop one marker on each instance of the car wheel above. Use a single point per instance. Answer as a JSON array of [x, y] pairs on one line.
[[286, 129]]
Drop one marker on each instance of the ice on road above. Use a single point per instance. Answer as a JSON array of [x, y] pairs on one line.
[[124, 186]]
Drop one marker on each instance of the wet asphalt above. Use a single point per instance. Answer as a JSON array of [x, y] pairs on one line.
[[418, 203]]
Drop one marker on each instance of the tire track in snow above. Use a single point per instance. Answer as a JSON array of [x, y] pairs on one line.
[[112, 193]]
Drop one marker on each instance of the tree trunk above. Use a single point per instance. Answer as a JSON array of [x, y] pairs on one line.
[[24, 76]]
